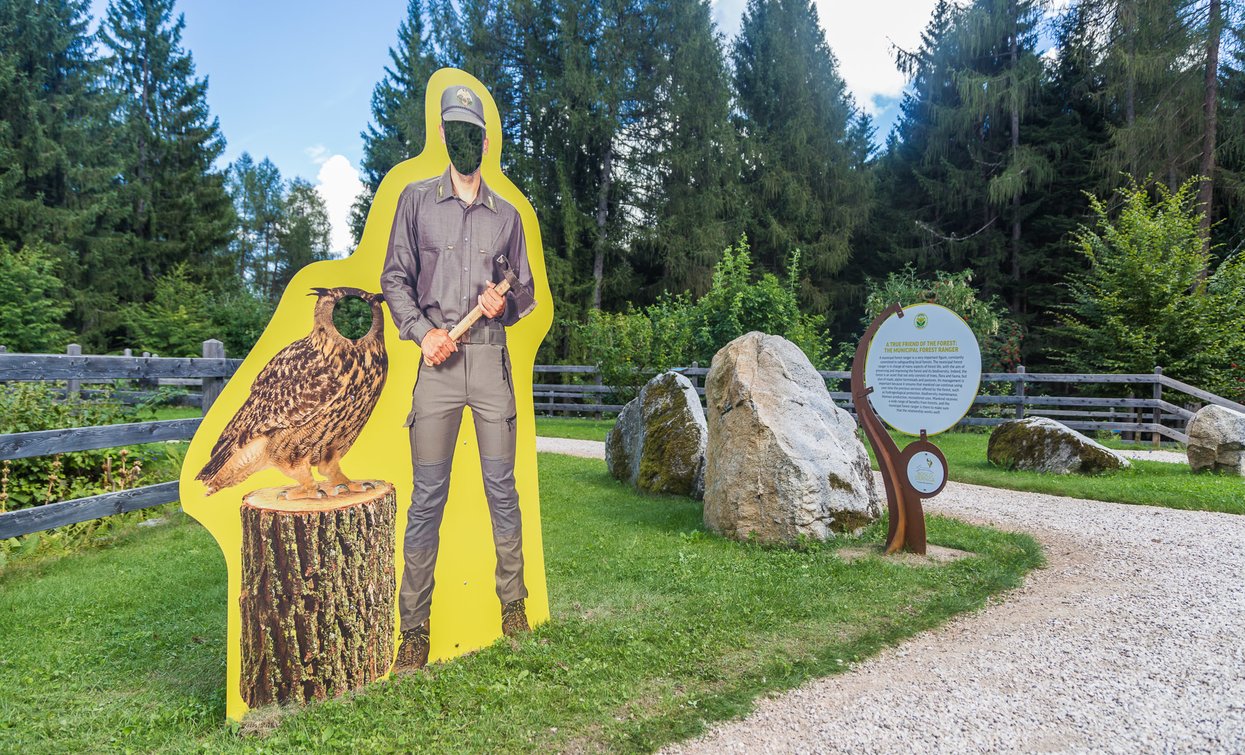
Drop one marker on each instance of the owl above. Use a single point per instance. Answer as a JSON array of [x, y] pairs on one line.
[[307, 406]]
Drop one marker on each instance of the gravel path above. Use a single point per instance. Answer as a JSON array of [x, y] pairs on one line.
[[1131, 639], [589, 449], [1171, 457]]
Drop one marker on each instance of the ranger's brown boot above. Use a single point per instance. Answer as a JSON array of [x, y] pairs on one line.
[[514, 618], [413, 652]]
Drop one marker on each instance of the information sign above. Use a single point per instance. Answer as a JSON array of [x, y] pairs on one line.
[[924, 368]]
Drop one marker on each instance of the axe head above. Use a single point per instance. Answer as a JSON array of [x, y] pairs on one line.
[[524, 301]]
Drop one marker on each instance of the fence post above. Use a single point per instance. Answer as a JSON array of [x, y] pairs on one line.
[[1020, 391], [1158, 396], [73, 386], [212, 386]]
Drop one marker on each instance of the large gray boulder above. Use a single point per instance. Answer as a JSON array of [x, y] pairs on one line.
[[1217, 441], [658, 443], [1040, 444], [783, 461]]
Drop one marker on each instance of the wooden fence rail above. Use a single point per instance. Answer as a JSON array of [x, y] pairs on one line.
[[580, 391]]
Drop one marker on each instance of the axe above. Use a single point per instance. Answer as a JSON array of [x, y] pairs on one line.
[[510, 283]]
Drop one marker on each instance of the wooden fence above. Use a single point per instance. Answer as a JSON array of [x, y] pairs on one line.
[[77, 370], [1151, 414], [578, 391]]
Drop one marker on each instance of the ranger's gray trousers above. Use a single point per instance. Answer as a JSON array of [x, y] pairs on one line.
[[477, 375]]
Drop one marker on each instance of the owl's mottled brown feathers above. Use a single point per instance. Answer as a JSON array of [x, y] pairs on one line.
[[307, 406]]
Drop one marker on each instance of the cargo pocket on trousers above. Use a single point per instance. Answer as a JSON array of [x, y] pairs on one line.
[[410, 419]]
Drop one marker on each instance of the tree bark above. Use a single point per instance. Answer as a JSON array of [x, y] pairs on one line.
[[1206, 191], [1015, 118], [317, 594], [603, 206]]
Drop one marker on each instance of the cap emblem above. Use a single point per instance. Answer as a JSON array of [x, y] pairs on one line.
[[463, 95]]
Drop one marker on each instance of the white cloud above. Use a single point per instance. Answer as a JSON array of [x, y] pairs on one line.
[[338, 184], [861, 36]]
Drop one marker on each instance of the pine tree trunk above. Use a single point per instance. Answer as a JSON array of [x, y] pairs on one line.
[[317, 594], [1015, 118], [603, 205], [1206, 191]]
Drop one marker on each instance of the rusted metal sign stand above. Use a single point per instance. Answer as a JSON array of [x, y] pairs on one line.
[[903, 501]]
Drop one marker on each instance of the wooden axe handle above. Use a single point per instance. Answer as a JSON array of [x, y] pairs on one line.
[[475, 314]]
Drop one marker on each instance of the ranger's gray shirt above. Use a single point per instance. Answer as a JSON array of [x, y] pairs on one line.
[[441, 253]]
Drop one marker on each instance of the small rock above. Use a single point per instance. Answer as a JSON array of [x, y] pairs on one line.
[[153, 522], [1040, 444], [783, 462], [658, 443], [1217, 441]]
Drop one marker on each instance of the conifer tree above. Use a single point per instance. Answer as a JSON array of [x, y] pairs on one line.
[[57, 156], [999, 79], [258, 195], [692, 203], [397, 128], [800, 175], [176, 207], [916, 168], [1230, 160], [303, 232]]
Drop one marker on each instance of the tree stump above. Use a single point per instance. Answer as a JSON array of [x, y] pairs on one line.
[[317, 593]]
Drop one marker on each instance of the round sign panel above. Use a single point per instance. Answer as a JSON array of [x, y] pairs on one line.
[[925, 468], [924, 368]]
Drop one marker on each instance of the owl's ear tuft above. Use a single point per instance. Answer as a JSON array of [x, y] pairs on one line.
[[316, 291]]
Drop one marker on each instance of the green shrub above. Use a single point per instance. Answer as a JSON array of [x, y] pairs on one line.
[[183, 314], [629, 347], [28, 407], [239, 319], [1152, 296], [177, 321], [32, 301], [997, 334]]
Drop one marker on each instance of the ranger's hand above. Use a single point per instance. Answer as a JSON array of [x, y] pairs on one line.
[[492, 304], [437, 346]]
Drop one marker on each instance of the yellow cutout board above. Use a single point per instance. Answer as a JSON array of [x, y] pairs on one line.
[[466, 614]]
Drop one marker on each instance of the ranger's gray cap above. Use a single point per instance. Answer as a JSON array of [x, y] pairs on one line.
[[459, 103]]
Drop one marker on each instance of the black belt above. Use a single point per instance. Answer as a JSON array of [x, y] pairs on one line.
[[494, 334]]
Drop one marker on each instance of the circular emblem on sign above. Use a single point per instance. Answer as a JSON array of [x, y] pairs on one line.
[[925, 468], [464, 97], [923, 377]]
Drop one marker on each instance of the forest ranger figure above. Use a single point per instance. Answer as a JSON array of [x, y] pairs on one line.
[[446, 233]]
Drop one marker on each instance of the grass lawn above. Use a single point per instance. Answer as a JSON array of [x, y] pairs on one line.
[[572, 427], [1150, 483], [178, 412], [657, 628]]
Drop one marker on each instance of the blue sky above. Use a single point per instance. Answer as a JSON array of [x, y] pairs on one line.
[[293, 81]]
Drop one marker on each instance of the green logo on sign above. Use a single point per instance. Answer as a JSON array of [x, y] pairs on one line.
[[921, 321]]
